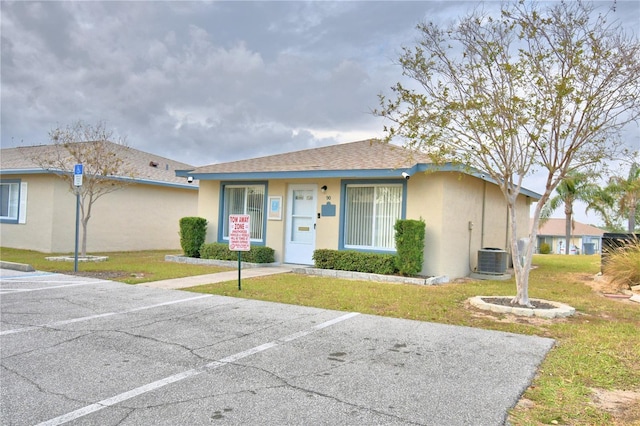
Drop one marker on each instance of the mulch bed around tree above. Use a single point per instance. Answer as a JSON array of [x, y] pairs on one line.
[[506, 301]]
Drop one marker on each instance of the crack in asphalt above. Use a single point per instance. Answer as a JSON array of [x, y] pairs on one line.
[[284, 383], [4, 358], [40, 387]]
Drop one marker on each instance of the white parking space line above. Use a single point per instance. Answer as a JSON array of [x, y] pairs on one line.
[[92, 317], [189, 373], [51, 287], [23, 276]]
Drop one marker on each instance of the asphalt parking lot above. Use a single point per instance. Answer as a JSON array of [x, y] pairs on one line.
[[82, 351]]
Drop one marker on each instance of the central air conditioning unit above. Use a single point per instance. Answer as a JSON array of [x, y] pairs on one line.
[[492, 261]]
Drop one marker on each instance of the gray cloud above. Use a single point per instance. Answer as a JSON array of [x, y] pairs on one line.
[[206, 82]]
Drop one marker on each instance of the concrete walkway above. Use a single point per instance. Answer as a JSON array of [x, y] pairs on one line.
[[219, 277]]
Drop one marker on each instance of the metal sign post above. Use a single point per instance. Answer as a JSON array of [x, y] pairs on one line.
[[77, 182], [239, 237]]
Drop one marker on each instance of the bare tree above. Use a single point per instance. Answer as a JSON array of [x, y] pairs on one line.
[[100, 153], [527, 89]]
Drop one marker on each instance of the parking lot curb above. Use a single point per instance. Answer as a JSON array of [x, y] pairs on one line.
[[16, 266]]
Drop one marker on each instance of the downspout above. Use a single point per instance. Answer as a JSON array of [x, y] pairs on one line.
[[484, 204]]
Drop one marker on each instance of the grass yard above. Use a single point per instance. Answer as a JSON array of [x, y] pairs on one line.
[[128, 267], [591, 376]]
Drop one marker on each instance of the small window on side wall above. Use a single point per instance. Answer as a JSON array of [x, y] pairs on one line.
[[13, 201]]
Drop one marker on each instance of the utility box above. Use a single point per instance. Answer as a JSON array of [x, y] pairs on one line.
[[492, 260]]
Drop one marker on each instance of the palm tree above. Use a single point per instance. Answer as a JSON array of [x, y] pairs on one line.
[[602, 202], [627, 192], [574, 187]]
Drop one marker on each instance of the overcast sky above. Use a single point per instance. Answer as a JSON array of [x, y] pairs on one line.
[[209, 82]]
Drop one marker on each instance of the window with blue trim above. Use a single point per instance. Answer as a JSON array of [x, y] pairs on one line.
[[244, 199], [371, 211], [9, 201]]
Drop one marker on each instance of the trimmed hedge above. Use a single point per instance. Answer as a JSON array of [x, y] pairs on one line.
[[193, 231], [409, 246], [220, 251], [373, 263]]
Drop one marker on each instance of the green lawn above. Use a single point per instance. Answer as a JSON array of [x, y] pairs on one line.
[[129, 267], [598, 348]]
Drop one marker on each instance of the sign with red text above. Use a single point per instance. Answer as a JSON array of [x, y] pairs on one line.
[[239, 232]]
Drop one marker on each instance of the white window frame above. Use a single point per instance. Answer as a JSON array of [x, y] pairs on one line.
[[376, 217], [255, 211], [16, 199]]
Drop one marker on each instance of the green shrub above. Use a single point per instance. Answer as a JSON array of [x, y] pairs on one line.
[[324, 258], [374, 263], [545, 248], [409, 246], [193, 231], [623, 265], [220, 251]]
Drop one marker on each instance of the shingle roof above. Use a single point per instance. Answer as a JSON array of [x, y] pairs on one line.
[[556, 227], [362, 155], [143, 165]]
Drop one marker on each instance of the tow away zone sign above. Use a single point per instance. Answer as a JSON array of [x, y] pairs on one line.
[[239, 232]]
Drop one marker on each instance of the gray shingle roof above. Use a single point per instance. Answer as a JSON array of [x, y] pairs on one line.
[[143, 165], [362, 155]]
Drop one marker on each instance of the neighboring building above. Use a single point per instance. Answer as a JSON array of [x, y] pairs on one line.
[[38, 209], [585, 239], [349, 196]]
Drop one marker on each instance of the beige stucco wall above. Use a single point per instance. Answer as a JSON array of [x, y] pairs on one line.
[[137, 217], [446, 201], [449, 202], [37, 232], [208, 204], [326, 227], [140, 217]]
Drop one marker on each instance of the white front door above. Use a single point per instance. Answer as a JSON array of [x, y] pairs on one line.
[[301, 224]]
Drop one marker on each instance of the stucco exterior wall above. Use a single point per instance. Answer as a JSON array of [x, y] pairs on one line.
[[137, 217], [425, 200], [63, 219], [208, 206], [275, 228], [37, 232], [448, 203], [462, 214], [140, 217], [327, 228]]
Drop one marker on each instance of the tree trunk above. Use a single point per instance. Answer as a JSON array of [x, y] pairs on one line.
[[83, 248], [521, 264], [567, 230], [632, 218]]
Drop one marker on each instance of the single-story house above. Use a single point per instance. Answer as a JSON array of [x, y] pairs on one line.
[[585, 239], [349, 196], [38, 208]]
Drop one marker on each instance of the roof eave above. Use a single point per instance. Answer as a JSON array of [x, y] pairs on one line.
[[13, 172], [297, 174], [348, 174]]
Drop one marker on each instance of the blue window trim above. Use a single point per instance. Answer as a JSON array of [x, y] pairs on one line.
[[221, 209], [19, 182], [343, 204]]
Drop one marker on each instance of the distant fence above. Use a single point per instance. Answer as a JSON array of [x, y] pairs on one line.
[[612, 241]]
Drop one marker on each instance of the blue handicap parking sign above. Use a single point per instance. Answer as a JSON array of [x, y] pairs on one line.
[[77, 170]]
